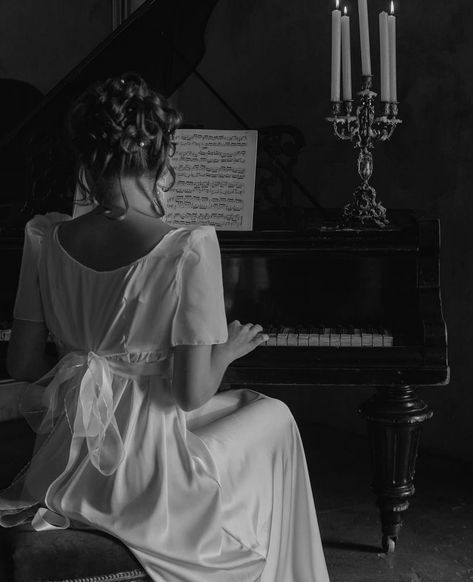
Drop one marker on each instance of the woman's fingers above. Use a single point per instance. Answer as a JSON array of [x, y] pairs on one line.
[[247, 336], [253, 328], [255, 332], [256, 341]]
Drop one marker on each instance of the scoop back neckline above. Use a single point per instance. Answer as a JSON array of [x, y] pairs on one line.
[[117, 269]]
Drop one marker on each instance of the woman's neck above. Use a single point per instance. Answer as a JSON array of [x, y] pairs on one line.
[[130, 196]]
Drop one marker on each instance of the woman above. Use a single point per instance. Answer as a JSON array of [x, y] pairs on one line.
[[133, 439]]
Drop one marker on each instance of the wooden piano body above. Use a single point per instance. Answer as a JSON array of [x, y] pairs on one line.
[[303, 275], [345, 280]]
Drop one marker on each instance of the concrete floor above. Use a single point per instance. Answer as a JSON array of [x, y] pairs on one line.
[[436, 542]]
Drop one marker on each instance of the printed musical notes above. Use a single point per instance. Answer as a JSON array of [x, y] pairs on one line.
[[215, 179]]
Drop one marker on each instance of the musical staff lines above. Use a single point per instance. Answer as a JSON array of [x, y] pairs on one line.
[[215, 179]]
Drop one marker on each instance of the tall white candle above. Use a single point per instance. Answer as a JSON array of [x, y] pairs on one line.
[[392, 55], [364, 37], [384, 56], [346, 57], [336, 53]]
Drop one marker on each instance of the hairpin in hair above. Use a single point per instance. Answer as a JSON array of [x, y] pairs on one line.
[[142, 144]]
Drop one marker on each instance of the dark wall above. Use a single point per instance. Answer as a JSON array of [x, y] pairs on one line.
[[271, 61], [41, 41]]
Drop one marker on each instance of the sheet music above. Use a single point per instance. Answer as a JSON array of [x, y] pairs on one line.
[[215, 179]]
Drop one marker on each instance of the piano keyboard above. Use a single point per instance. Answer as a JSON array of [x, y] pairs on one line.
[[320, 337], [328, 337]]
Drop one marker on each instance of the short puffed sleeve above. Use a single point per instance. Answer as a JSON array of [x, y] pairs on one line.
[[200, 317], [28, 303]]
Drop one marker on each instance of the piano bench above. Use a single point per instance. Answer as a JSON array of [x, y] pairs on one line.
[[66, 556], [70, 555]]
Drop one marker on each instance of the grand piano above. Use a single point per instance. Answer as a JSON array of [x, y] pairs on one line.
[[356, 306]]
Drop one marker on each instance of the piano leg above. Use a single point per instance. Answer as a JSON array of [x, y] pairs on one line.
[[394, 417]]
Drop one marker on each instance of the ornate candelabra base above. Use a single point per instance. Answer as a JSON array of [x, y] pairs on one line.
[[364, 129], [364, 209]]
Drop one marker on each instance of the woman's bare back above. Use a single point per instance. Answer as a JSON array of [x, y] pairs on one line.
[[102, 244]]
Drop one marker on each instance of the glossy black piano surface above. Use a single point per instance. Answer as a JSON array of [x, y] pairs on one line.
[[386, 279]]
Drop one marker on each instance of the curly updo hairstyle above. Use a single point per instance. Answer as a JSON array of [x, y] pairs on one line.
[[121, 127]]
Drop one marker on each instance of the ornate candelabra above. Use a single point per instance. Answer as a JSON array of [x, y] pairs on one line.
[[364, 129]]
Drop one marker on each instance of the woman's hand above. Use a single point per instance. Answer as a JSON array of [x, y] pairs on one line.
[[242, 339]]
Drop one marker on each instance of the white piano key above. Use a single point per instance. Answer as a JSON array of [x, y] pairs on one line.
[[388, 340], [335, 339], [345, 338], [303, 337], [325, 337], [366, 338], [356, 338], [281, 338]]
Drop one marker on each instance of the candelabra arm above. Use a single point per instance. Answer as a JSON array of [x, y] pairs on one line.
[[343, 122]]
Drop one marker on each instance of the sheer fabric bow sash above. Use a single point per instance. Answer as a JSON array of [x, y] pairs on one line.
[[80, 387]]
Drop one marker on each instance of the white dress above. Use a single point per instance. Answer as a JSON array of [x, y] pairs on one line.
[[218, 494]]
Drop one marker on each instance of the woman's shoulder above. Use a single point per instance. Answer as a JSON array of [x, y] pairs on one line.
[[191, 235], [40, 224], [188, 244], [194, 240]]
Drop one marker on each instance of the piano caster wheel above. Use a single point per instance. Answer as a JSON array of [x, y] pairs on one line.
[[389, 544]]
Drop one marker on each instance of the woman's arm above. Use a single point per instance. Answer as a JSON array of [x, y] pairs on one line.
[[198, 370], [26, 358]]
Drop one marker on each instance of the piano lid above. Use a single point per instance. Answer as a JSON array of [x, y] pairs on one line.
[[162, 41]]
